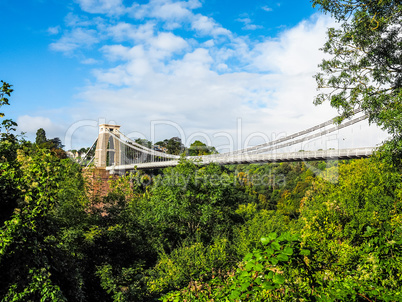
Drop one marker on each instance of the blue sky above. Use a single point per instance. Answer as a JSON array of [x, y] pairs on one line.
[[202, 69]]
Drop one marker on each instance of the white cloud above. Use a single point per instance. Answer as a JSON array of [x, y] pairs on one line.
[[267, 9], [209, 43], [89, 61], [116, 52], [141, 59], [53, 30], [247, 24], [76, 38], [131, 33], [73, 20], [205, 82], [166, 10], [112, 7], [168, 42], [251, 27], [207, 26], [30, 124], [272, 94], [296, 51]]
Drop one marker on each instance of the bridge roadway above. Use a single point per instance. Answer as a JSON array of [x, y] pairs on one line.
[[253, 158]]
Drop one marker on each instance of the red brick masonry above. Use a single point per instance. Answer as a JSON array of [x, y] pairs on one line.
[[97, 181]]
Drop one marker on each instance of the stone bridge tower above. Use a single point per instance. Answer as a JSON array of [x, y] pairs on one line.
[[107, 150]]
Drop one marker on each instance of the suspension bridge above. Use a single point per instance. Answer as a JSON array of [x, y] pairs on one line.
[[117, 153]]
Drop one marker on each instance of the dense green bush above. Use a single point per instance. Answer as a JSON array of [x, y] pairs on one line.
[[292, 232]]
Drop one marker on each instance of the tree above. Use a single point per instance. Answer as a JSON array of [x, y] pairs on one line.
[[8, 153], [188, 201], [5, 92], [365, 70], [352, 228], [34, 264], [40, 136], [144, 142], [173, 145], [57, 144], [199, 148]]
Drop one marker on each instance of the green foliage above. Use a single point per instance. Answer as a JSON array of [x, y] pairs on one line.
[[53, 144], [180, 235], [144, 142], [125, 286], [353, 230], [40, 136], [5, 92], [30, 254], [39, 288], [173, 145], [199, 148], [349, 248], [246, 235], [9, 173], [261, 276], [264, 275], [189, 262], [191, 202], [36, 264], [366, 195]]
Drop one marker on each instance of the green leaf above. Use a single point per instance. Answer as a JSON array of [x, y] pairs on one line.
[[288, 251], [248, 256], [270, 275], [278, 279], [259, 267], [245, 286], [258, 256], [268, 285], [272, 236], [250, 265], [282, 257], [275, 245], [304, 252], [265, 240], [234, 295]]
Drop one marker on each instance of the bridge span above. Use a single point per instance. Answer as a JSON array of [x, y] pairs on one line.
[[117, 153], [228, 159]]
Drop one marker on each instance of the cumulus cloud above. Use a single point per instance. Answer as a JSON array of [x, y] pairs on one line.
[[296, 50], [248, 24], [89, 61], [168, 42], [132, 33], [102, 6], [207, 26], [207, 80], [166, 10], [30, 124], [75, 39], [267, 8], [53, 30]]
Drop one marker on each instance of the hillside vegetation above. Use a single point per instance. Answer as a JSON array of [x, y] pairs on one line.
[[323, 231]]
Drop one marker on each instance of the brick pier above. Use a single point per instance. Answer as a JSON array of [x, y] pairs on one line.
[[98, 181]]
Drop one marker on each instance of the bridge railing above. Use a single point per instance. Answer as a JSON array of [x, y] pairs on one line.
[[257, 158]]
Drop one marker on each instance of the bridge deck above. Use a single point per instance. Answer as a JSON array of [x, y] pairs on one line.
[[255, 158]]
